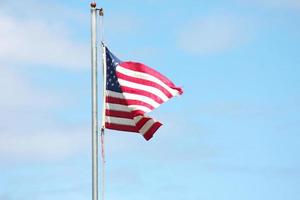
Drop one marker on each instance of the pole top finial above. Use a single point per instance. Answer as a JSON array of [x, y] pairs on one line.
[[93, 4], [101, 12]]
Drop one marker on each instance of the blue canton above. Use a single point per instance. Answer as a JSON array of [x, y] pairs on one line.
[[111, 78]]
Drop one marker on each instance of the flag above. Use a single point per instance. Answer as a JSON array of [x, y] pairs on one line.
[[133, 89]]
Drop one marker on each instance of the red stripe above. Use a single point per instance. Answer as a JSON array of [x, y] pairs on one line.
[[120, 127], [140, 103], [127, 102], [143, 93], [121, 114], [137, 112], [144, 82], [115, 100], [142, 122], [149, 134], [145, 69]]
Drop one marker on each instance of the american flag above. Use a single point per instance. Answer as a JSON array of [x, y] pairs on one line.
[[133, 89]]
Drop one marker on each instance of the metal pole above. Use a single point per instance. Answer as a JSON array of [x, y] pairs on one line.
[[104, 85], [101, 13], [103, 120], [94, 103]]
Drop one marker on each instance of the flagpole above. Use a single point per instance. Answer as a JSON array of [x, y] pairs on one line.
[[94, 102], [101, 13]]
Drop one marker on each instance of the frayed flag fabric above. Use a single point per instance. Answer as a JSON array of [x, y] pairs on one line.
[[132, 90]]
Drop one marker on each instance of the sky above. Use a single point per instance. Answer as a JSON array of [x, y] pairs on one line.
[[234, 133]]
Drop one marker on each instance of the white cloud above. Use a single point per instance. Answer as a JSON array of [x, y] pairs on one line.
[[46, 145], [27, 130], [30, 35], [126, 23], [281, 4], [17, 92], [26, 42], [46, 33], [213, 34]]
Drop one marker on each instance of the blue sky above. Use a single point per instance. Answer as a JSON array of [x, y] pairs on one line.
[[234, 134]]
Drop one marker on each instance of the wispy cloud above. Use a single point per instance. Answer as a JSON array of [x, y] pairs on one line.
[[28, 130], [4, 197], [265, 171], [32, 34], [214, 34], [46, 145], [17, 92], [26, 42], [279, 4], [45, 35]]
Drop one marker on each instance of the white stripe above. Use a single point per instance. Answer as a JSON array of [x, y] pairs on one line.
[[112, 106], [137, 118], [117, 107], [142, 98], [114, 94], [153, 90], [118, 120], [145, 76], [147, 126], [126, 95], [138, 107]]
